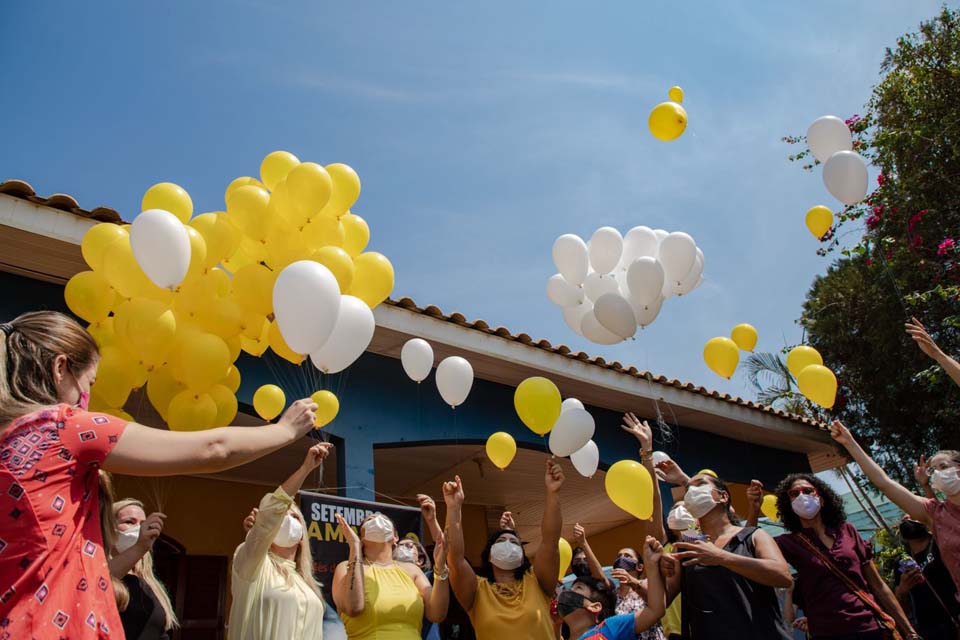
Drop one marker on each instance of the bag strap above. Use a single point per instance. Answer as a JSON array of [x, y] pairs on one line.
[[885, 620]]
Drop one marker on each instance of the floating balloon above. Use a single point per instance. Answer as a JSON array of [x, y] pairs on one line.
[[275, 167], [570, 403], [566, 555], [769, 507], [595, 332], [845, 176], [97, 240], [339, 263], [676, 94], [537, 401], [417, 359], [454, 380], [630, 487], [818, 384], [327, 408], [678, 252], [160, 244], [721, 355], [306, 302], [90, 296], [191, 411], [351, 336], [645, 280], [828, 135], [346, 189], [221, 238], [573, 316], [586, 460], [501, 448], [745, 336], [605, 249], [310, 187], [571, 258], [659, 457], [693, 278], [615, 315], [597, 285], [168, 197], [646, 314], [356, 234], [640, 242], [571, 432], [802, 357], [373, 278], [226, 403], [269, 401], [819, 220], [247, 209], [667, 121], [562, 293]]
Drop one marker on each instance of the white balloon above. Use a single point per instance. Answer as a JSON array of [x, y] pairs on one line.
[[306, 303], [646, 314], [645, 280], [827, 135], [677, 253], [667, 291], [660, 234], [596, 285], [562, 293], [570, 256], [845, 176], [570, 403], [573, 316], [571, 432], [592, 330], [606, 247], [689, 282], [586, 460], [640, 242], [615, 315], [454, 380], [417, 359], [351, 336], [659, 456], [161, 247]]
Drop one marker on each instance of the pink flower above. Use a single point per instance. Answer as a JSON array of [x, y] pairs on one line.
[[881, 179], [878, 209], [873, 221], [945, 247], [916, 218]]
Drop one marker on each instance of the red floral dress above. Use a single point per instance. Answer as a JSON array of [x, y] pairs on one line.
[[54, 579]]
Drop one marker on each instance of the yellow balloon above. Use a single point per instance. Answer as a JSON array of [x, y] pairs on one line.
[[501, 448], [819, 221], [234, 346], [253, 289], [147, 329], [242, 181], [346, 189], [103, 332], [802, 357], [126, 277], [769, 507], [322, 231], [222, 318], [257, 346], [282, 206], [217, 282], [327, 408], [566, 556], [339, 263], [90, 296], [198, 253], [248, 252], [232, 381], [284, 245], [161, 388], [722, 356], [226, 403], [372, 278], [668, 120], [269, 401], [276, 166], [200, 360], [116, 375], [252, 325], [629, 486], [676, 94], [169, 197], [191, 411], [818, 384], [708, 472], [247, 208], [745, 337], [280, 346], [221, 239], [537, 401], [356, 234], [310, 186], [97, 240]]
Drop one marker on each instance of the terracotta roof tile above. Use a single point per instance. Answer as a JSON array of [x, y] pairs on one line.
[[23, 190]]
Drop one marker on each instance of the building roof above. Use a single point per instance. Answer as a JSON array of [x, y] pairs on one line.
[[63, 202]]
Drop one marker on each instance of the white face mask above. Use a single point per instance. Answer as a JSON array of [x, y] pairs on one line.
[[406, 553], [946, 480], [128, 538], [805, 506], [506, 555], [699, 500], [378, 529], [290, 533], [680, 519]]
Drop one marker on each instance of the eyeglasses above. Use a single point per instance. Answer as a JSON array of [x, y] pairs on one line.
[[807, 491]]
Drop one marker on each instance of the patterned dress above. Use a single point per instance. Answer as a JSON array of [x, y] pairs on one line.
[[631, 603], [54, 578]]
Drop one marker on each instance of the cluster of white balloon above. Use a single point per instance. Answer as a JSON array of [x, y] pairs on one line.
[[613, 284], [844, 170], [575, 420], [454, 374]]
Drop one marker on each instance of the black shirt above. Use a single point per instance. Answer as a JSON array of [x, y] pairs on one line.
[[144, 618], [928, 611], [720, 604]]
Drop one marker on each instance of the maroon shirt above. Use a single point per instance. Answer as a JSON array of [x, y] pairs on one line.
[[831, 608]]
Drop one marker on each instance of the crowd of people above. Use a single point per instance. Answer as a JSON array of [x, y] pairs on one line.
[[76, 563]]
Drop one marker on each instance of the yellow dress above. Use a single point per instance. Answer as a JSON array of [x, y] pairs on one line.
[[393, 606], [671, 619], [511, 610]]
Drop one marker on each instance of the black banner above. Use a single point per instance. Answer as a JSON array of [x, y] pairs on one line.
[[327, 544]]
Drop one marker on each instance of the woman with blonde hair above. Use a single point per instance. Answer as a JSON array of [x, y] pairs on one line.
[[275, 596], [54, 578]]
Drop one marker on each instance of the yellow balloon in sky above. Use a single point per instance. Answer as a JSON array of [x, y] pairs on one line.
[[745, 336], [372, 278], [198, 253], [802, 357], [537, 401], [322, 231], [103, 332], [124, 274], [247, 209], [819, 221], [248, 252], [90, 296], [667, 121], [310, 186], [676, 94], [630, 487], [339, 263], [116, 376], [200, 359], [501, 448], [722, 356], [327, 408], [169, 197], [253, 289], [818, 384], [97, 240], [356, 234], [147, 329], [220, 237], [269, 401], [191, 411], [769, 507], [242, 181], [276, 166], [280, 346], [346, 189], [566, 556]]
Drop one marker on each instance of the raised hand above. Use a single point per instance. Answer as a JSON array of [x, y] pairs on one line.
[[150, 530], [669, 565], [579, 535], [623, 577], [841, 434], [250, 520], [349, 535], [652, 551], [755, 494], [439, 555], [640, 429], [919, 334], [920, 472], [300, 416], [554, 476], [672, 472], [507, 522], [453, 492], [316, 454], [427, 506]]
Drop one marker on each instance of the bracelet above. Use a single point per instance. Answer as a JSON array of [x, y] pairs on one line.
[[442, 576], [646, 456]]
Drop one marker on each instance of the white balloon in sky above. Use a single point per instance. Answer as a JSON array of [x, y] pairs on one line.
[[827, 135]]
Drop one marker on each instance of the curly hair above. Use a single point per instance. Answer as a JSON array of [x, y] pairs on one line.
[[831, 511], [486, 567]]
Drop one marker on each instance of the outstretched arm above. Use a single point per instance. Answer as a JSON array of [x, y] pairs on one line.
[[546, 565], [428, 509], [886, 599], [656, 596], [644, 434], [912, 504], [919, 334], [754, 500], [122, 563], [580, 540], [462, 578], [348, 592], [436, 597]]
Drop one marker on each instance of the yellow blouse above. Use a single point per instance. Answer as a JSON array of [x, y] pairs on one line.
[[393, 606], [270, 599], [671, 619], [503, 610]]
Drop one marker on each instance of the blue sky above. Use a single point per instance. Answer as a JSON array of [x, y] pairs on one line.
[[481, 132]]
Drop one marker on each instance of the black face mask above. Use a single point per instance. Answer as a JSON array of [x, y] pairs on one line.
[[625, 563], [580, 568], [568, 602], [910, 530]]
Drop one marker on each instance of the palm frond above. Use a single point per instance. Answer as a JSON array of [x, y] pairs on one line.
[[764, 370]]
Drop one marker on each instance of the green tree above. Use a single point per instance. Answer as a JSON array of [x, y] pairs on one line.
[[898, 256], [768, 374]]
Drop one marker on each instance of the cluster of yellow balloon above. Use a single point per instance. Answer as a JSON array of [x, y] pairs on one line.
[[819, 220], [816, 382], [566, 556], [722, 355], [668, 120]]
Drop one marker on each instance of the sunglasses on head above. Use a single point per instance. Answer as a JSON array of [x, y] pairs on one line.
[[807, 491]]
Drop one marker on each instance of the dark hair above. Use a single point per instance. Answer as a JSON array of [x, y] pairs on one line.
[[720, 485], [486, 567], [831, 511], [601, 592]]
